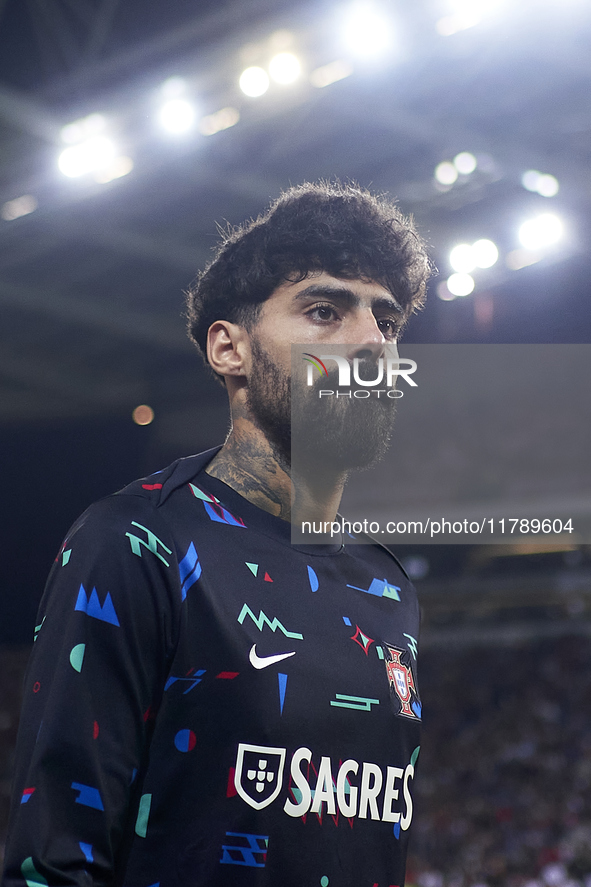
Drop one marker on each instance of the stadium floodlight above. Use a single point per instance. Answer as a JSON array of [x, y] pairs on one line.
[[331, 73], [177, 116], [460, 284], [465, 163], [82, 129], [254, 82], [462, 259], [451, 24], [442, 291], [20, 206], [366, 31], [521, 258], [544, 184], [541, 232], [119, 167], [285, 68], [219, 120], [446, 173], [464, 14], [173, 88], [88, 156], [548, 185], [485, 253], [530, 179]]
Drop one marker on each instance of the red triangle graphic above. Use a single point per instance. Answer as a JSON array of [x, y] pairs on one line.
[[267, 578], [231, 788]]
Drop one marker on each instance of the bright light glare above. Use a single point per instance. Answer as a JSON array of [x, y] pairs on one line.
[[89, 156], [530, 179], [331, 73], [465, 258], [548, 185], [119, 167], [177, 116], [71, 133], [173, 87], [222, 119], [451, 24], [485, 253], [446, 173], [82, 129], [521, 258], [20, 206], [543, 231], [285, 68], [460, 284], [465, 14], [254, 82], [484, 7], [461, 259], [465, 163], [443, 292], [367, 32], [542, 183]]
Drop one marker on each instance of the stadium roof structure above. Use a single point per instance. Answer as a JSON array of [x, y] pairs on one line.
[[91, 280]]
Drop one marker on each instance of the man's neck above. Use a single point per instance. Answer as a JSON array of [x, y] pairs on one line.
[[249, 465]]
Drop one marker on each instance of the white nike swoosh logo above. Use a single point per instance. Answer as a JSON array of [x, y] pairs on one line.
[[264, 661]]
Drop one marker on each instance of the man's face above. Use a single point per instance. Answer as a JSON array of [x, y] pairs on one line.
[[362, 318]]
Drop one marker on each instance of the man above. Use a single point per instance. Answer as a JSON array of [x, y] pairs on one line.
[[208, 704]]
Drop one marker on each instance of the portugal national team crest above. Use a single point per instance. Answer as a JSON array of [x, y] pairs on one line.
[[259, 774], [402, 682]]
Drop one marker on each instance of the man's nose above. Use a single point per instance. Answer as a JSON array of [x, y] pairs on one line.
[[366, 353], [366, 338]]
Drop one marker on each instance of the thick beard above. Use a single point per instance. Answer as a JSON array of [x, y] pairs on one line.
[[313, 435], [269, 402]]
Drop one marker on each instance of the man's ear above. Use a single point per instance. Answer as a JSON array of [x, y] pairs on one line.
[[228, 349]]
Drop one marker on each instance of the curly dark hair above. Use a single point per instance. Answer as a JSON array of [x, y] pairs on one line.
[[341, 229]]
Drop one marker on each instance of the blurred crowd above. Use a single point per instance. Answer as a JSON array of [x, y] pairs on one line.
[[504, 784], [503, 789], [13, 662]]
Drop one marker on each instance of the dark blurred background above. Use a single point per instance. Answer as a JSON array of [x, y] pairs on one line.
[[128, 132]]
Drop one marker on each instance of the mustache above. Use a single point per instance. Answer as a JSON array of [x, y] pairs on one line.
[[367, 370]]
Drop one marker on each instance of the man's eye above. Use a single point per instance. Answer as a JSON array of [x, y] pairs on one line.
[[323, 313], [388, 327]]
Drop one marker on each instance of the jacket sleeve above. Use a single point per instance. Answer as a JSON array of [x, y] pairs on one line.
[[103, 645]]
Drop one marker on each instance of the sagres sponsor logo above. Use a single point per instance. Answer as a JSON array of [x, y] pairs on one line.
[[354, 789], [259, 774], [387, 372]]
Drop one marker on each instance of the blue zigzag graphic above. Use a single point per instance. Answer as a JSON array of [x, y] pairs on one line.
[[190, 570], [92, 607]]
